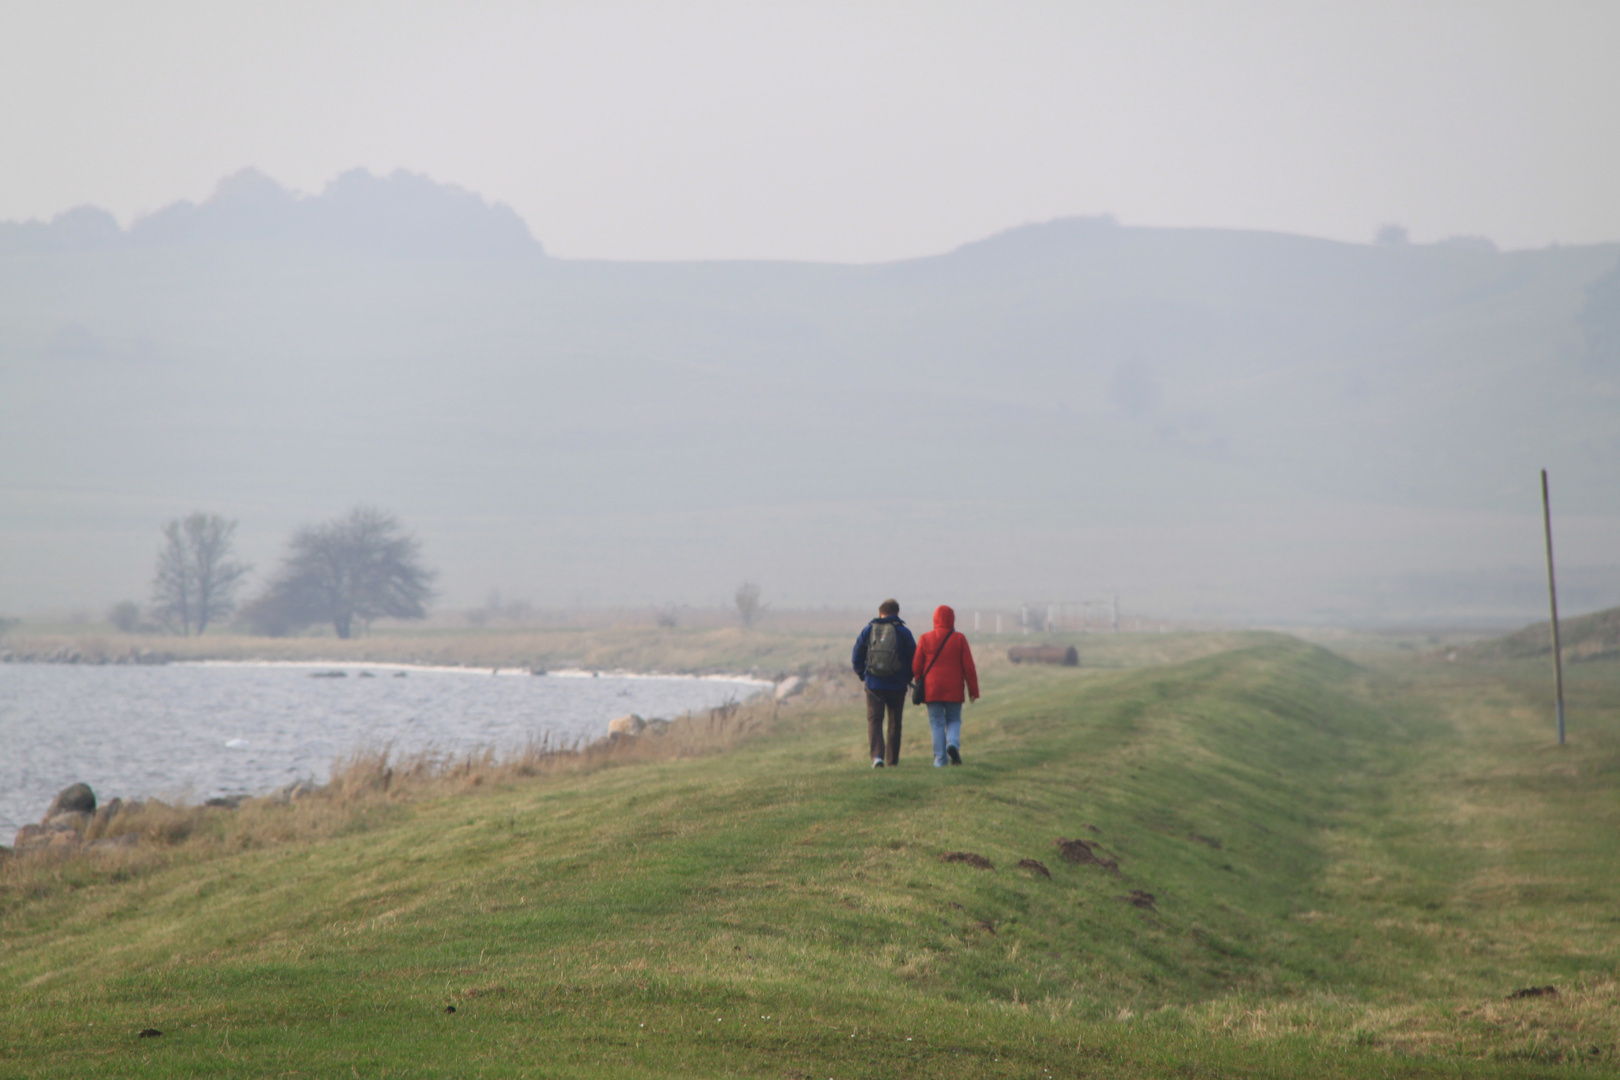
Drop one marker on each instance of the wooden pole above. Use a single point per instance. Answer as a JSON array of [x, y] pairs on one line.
[[1552, 594]]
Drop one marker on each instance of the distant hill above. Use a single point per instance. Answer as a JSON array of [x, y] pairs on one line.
[[401, 214], [1587, 637], [1210, 423]]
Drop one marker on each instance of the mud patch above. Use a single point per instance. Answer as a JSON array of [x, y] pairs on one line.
[[968, 857], [1208, 841], [1138, 898], [1034, 866], [1082, 852]]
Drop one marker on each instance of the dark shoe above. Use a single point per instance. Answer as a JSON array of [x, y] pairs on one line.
[[954, 754], [877, 763]]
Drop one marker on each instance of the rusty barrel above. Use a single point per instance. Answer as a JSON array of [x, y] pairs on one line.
[[1067, 655]]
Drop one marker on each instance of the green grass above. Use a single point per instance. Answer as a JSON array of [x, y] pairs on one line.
[[1352, 867]]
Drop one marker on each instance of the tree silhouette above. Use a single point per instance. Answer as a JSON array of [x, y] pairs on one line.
[[364, 567], [125, 615], [196, 581], [748, 605], [1392, 236]]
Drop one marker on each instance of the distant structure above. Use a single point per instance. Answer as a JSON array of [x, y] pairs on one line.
[[1067, 655], [1069, 615]]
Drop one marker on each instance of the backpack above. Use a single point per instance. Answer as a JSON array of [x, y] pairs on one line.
[[883, 650]]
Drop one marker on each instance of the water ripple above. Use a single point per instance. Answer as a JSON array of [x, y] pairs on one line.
[[194, 731]]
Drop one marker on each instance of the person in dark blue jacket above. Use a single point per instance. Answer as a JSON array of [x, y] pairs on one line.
[[882, 659]]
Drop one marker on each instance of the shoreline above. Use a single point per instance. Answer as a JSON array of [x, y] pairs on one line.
[[152, 658], [505, 671], [738, 690], [625, 650]]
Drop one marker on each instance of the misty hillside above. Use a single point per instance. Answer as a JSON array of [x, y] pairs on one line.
[[1210, 423], [1589, 637], [402, 215]]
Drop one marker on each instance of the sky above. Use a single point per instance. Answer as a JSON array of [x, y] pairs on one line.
[[851, 132]]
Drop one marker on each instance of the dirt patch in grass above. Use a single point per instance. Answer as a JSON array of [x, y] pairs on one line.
[[1082, 852], [1034, 866], [1534, 992], [970, 858]]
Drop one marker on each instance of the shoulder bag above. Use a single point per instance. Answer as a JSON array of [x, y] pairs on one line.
[[918, 691]]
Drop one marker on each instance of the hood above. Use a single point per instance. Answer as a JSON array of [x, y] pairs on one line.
[[944, 618]]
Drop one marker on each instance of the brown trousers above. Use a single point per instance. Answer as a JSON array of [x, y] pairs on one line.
[[878, 702]]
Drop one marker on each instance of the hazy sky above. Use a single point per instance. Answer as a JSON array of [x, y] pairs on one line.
[[829, 131]]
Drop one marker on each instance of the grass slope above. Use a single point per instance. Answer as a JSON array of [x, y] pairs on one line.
[[1350, 870]]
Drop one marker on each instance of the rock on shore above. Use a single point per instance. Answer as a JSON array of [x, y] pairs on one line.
[[75, 798], [72, 816]]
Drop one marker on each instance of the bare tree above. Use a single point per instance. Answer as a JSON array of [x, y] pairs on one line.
[[1392, 236], [173, 591], [364, 567], [748, 606], [126, 615], [196, 580]]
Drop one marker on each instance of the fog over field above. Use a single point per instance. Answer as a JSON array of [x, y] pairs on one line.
[[1211, 424], [1244, 313]]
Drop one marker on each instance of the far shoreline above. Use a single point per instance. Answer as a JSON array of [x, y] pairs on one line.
[[505, 672], [762, 655]]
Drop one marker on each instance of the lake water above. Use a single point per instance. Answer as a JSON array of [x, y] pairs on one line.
[[195, 731]]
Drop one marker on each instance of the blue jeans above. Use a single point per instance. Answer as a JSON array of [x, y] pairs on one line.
[[945, 718]]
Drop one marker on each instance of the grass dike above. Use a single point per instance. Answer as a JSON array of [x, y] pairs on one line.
[[1251, 857]]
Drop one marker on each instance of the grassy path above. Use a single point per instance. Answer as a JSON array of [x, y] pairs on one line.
[[1349, 870]]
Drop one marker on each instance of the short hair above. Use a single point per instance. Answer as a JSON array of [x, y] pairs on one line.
[[889, 607]]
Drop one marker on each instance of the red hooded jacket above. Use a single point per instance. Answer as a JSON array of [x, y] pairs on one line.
[[955, 664]]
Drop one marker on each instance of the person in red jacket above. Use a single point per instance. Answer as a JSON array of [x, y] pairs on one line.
[[944, 665]]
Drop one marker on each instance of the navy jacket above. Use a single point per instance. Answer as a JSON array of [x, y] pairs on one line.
[[908, 649]]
